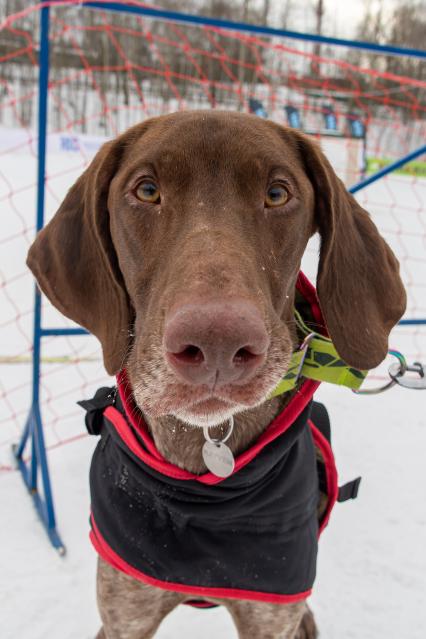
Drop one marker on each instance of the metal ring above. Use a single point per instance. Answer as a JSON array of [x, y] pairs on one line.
[[407, 381], [374, 391], [403, 366], [392, 382], [219, 441]]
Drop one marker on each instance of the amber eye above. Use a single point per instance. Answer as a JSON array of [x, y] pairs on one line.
[[147, 191], [276, 195]]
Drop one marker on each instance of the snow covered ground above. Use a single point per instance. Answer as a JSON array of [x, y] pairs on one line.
[[372, 568]]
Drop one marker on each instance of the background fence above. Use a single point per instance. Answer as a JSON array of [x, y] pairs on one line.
[[112, 68]]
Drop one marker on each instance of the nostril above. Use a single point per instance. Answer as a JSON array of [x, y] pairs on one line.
[[244, 356], [189, 355]]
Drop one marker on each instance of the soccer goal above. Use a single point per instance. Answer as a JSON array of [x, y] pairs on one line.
[[75, 74]]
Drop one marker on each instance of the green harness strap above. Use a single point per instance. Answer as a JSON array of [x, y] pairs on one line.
[[318, 359]]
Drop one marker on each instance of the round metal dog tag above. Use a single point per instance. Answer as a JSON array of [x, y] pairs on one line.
[[218, 458]]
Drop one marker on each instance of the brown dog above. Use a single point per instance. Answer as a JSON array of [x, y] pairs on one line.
[[179, 248]]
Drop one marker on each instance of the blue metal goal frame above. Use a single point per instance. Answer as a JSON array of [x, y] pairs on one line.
[[33, 430]]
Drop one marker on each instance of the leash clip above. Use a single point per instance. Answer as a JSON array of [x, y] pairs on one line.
[[398, 368], [304, 348], [398, 374]]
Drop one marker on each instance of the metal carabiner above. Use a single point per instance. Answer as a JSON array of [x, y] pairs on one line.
[[304, 348], [400, 377]]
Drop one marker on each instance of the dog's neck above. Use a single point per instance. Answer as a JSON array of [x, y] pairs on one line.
[[181, 444]]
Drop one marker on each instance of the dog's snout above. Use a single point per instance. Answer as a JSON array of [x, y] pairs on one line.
[[215, 342]]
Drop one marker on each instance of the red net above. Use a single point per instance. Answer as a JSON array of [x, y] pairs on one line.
[[111, 70]]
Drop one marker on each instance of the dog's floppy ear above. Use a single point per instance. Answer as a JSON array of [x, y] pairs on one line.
[[359, 287], [75, 264]]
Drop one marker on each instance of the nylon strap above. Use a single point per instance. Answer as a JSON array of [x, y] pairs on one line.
[[349, 490], [318, 359]]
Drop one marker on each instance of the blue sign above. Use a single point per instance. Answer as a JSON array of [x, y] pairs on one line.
[[68, 143], [293, 117], [257, 108]]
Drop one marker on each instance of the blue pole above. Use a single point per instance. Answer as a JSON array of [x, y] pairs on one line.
[[411, 322], [43, 86], [252, 28], [41, 174], [34, 427], [43, 83], [49, 332], [388, 169]]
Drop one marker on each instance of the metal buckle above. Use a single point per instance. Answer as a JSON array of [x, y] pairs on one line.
[[400, 377]]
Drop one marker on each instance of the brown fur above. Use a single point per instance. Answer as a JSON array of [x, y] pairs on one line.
[[141, 609], [121, 267]]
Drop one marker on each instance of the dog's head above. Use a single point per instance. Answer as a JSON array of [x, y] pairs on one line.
[[179, 248]]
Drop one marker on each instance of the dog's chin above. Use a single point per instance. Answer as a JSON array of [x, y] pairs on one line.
[[208, 413], [197, 406]]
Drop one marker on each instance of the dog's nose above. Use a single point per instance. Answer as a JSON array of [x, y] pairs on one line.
[[216, 342]]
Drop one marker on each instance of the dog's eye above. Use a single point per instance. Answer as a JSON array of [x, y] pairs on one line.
[[276, 195], [147, 191]]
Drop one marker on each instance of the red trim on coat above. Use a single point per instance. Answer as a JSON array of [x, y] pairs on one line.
[[106, 552], [277, 427], [200, 604], [330, 472]]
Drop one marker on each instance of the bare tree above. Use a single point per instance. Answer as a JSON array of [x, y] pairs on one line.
[[319, 15]]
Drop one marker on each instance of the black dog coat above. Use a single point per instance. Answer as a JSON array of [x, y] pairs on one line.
[[252, 535]]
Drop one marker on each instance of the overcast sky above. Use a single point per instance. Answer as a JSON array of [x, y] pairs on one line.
[[341, 16], [344, 15]]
